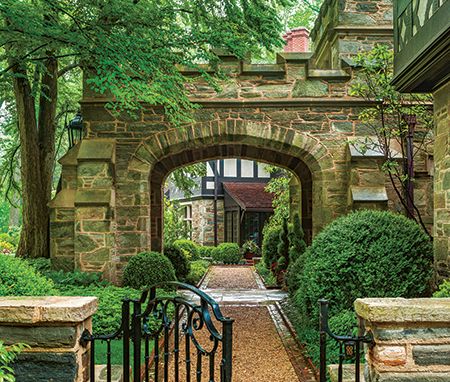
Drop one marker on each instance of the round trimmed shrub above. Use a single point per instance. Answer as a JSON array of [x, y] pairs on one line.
[[271, 238], [18, 278], [365, 254], [205, 251], [189, 247], [147, 269], [227, 253], [179, 261]]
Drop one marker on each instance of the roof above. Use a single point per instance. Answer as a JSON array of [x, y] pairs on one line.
[[250, 196]]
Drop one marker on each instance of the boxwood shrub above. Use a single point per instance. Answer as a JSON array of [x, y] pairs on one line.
[[189, 247], [227, 253], [147, 269], [198, 270], [363, 254], [205, 251], [179, 261], [18, 278]]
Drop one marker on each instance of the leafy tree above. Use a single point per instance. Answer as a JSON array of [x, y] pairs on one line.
[[174, 225], [130, 48], [388, 120], [278, 185]]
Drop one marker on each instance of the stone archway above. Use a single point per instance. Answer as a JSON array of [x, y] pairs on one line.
[[300, 153]]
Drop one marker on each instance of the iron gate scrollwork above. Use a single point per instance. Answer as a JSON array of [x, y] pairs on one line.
[[350, 347], [165, 322]]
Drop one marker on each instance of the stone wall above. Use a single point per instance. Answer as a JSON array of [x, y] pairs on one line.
[[411, 339], [442, 182], [203, 221], [295, 114], [52, 327]]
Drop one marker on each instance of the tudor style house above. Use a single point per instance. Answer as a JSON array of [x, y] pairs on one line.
[[236, 186]]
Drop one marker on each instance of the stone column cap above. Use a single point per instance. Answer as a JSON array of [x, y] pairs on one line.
[[403, 310], [47, 309]]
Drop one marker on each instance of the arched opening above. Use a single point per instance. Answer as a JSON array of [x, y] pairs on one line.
[[169, 163]]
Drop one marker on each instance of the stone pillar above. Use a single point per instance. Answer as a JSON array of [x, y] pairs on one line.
[[441, 231], [52, 327], [411, 339]]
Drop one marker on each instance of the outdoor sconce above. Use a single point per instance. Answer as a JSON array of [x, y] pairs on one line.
[[75, 129]]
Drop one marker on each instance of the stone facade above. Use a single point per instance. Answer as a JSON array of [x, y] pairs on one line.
[[442, 181], [294, 114], [411, 339], [203, 221], [52, 327]]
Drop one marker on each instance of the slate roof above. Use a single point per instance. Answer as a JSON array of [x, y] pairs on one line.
[[250, 196]]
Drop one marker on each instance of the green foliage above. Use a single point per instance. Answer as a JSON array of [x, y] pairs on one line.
[[270, 244], [7, 356], [251, 247], [108, 317], [18, 278], [227, 253], [278, 185], [189, 248], [179, 261], [62, 278], [444, 289], [363, 254], [175, 228], [6, 248], [297, 245], [198, 270], [205, 251], [283, 247], [266, 274], [185, 177], [147, 269], [11, 236]]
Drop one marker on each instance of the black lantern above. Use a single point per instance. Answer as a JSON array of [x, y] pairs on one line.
[[75, 129]]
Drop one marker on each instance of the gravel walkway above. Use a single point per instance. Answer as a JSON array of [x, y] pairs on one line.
[[229, 277]]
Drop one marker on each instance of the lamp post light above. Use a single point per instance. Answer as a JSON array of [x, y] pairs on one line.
[[411, 121], [75, 129]]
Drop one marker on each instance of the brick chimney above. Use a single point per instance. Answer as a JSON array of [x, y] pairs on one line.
[[297, 40]]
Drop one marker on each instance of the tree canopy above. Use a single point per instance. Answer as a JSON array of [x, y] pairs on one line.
[[132, 50]]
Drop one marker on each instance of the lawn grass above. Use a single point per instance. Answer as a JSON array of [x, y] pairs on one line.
[[116, 352]]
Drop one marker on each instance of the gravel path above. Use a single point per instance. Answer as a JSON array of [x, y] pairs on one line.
[[229, 277], [263, 348]]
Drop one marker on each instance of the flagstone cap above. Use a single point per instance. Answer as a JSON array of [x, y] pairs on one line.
[[397, 310], [47, 309]]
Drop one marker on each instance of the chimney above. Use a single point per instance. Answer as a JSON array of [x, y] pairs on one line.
[[297, 40]]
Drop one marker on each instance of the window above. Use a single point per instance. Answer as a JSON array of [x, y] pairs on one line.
[[232, 226], [262, 173], [188, 219], [230, 167], [247, 168]]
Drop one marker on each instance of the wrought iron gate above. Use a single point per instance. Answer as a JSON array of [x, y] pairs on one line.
[[172, 324], [350, 347]]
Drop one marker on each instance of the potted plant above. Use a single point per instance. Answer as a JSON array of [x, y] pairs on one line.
[[250, 249]]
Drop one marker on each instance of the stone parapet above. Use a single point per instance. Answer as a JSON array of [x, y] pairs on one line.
[[52, 327], [411, 339]]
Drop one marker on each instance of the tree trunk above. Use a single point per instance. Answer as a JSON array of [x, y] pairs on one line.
[[37, 155]]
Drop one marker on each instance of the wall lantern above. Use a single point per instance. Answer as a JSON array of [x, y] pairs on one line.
[[75, 129]]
